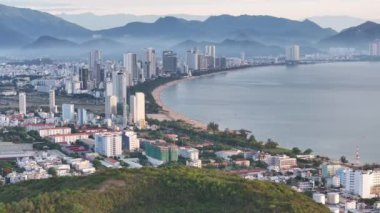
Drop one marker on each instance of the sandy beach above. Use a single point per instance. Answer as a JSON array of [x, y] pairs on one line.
[[170, 114]]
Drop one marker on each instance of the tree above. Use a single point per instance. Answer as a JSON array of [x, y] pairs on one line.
[[296, 151], [52, 171], [343, 159], [308, 152], [213, 127], [270, 144]]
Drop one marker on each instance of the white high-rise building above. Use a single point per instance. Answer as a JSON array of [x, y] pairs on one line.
[[293, 53], [67, 112], [130, 65], [192, 60], [120, 84], [210, 52], [52, 106], [366, 184], [151, 62], [130, 141], [110, 106], [108, 144], [137, 109], [22, 103], [95, 63], [109, 88], [82, 117], [374, 48]]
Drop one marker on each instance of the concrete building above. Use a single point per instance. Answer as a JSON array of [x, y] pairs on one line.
[[108, 144], [82, 117], [293, 53], [169, 60], [130, 141], [130, 66], [192, 60], [210, 53], [282, 162], [151, 62], [22, 103], [329, 170], [189, 153], [374, 48], [319, 198], [95, 62], [366, 184], [68, 112], [52, 106], [54, 131], [68, 138], [110, 106], [161, 151], [137, 109]]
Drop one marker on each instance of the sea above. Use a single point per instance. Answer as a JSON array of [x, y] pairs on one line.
[[332, 108]]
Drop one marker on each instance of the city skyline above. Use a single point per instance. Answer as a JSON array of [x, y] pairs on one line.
[[294, 9]]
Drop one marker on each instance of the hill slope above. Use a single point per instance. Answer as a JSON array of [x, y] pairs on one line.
[[358, 36], [33, 24], [176, 189], [265, 29]]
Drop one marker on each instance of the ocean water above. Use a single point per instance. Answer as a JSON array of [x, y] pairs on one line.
[[330, 108]]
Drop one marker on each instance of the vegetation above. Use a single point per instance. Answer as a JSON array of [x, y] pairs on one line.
[[147, 88], [168, 189], [227, 138]]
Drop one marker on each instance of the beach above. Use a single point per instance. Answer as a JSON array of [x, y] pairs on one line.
[[168, 113]]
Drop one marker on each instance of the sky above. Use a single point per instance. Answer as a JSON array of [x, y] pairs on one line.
[[295, 9]]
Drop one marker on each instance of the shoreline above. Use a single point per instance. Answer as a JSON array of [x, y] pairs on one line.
[[170, 113]]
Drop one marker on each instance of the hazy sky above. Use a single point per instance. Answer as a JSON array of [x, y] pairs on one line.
[[296, 9]]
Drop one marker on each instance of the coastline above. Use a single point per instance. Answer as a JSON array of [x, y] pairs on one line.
[[169, 113]]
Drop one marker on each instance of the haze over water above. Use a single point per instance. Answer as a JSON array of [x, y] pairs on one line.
[[330, 108]]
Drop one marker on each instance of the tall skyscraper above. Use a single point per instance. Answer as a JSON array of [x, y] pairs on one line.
[[110, 106], [108, 88], [108, 144], [210, 53], [22, 103], [293, 53], [374, 48], [120, 86], [137, 109], [84, 77], [169, 59], [192, 59], [52, 106], [95, 64], [67, 112], [151, 63], [82, 116], [130, 65]]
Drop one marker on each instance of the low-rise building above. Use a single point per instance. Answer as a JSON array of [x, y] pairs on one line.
[[188, 153], [46, 132], [68, 138]]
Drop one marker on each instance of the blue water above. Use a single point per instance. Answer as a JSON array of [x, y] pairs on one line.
[[330, 108]]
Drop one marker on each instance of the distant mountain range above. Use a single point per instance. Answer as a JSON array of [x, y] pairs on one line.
[[100, 22], [265, 29], [256, 35], [338, 23], [20, 26], [359, 36]]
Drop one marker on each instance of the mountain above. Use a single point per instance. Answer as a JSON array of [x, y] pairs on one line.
[[337, 23], [99, 22], [27, 25], [47, 42], [264, 29], [173, 189], [232, 48], [359, 36]]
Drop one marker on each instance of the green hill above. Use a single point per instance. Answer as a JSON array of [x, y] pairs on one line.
[[175, 189]]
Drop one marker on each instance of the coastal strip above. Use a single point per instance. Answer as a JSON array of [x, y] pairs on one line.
[[169, 113]]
